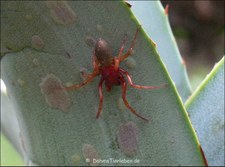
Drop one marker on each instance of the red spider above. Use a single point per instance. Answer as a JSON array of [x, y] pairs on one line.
[[111, 73]]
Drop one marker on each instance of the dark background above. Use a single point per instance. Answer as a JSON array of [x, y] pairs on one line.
[[198, 27]]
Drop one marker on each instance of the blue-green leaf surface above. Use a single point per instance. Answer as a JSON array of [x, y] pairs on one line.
[[206, 110], [155, 22], [48, 44]]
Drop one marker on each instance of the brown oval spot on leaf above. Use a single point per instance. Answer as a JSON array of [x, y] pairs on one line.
[[90, 41], [90, 153], [127, 138], [37, 42], [55, 95], [61, 12]]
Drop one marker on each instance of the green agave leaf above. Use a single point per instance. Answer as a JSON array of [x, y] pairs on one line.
[[154, 21], [50, 43], [206, 110]]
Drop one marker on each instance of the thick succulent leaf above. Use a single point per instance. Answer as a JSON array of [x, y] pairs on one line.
[[206, 110], [51, 42], [154, 21]]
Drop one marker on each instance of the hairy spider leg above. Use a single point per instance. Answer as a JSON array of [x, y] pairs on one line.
[[95, 64], [100, 98], [122, 45], [117, 59], [123, 57], [124, 89], [89, 77], [139, 86]]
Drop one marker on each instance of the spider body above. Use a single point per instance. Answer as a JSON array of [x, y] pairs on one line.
[[107, 66], [111, 76]]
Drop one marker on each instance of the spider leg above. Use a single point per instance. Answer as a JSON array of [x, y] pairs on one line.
[[139, 86], [94, 61], [122, 57], [89, 77], [117, 58], [94, 64], [124, 89], [122, 45], [100, 98]]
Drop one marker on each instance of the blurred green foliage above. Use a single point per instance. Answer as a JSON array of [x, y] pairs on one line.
[[9, 156]]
